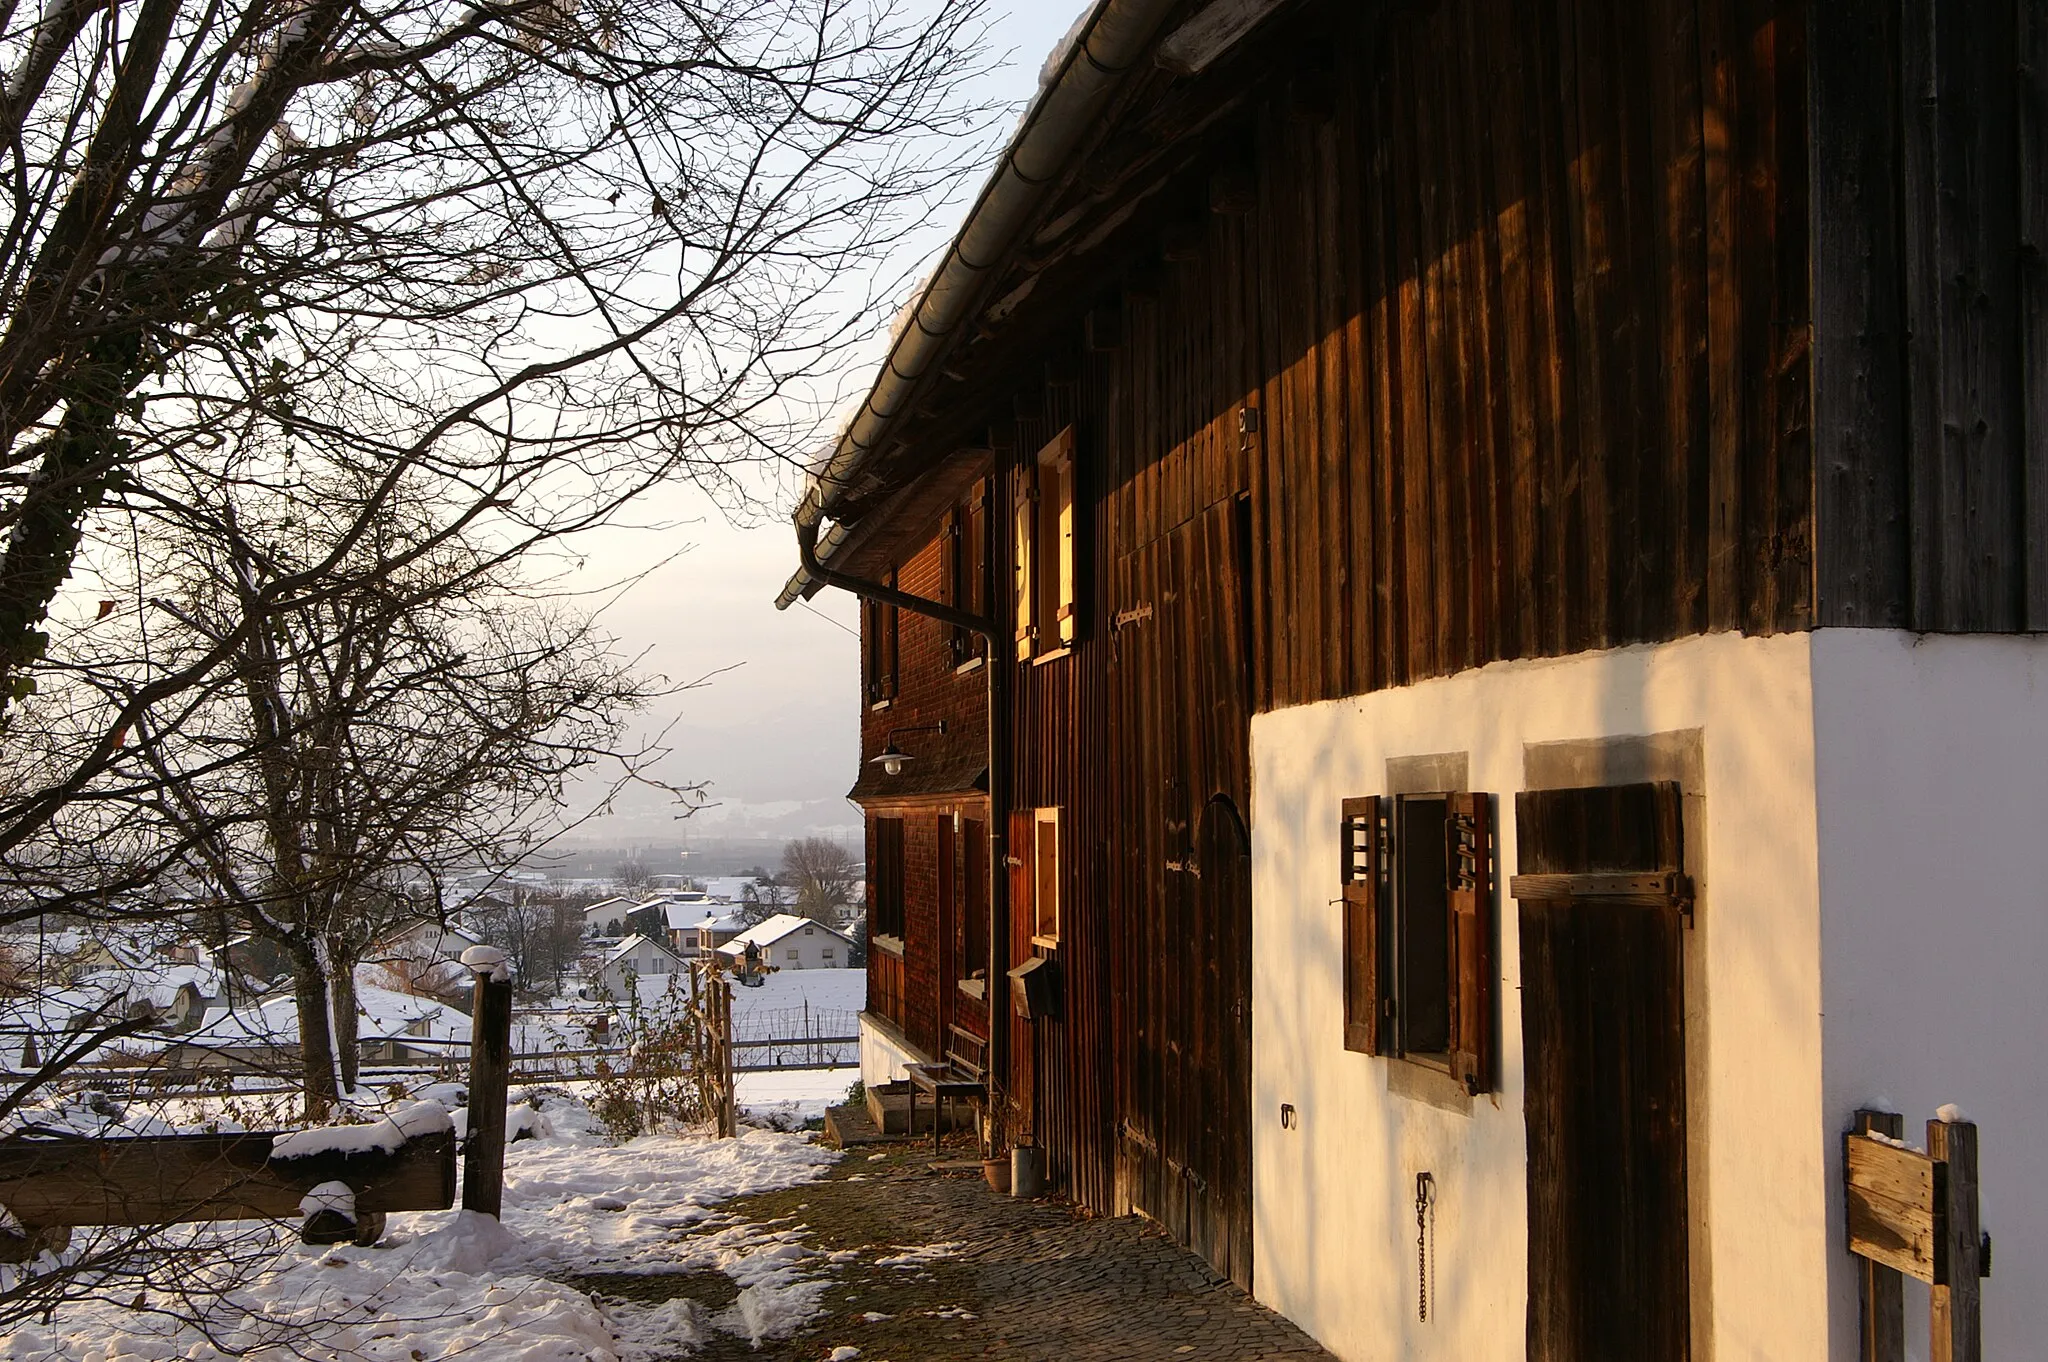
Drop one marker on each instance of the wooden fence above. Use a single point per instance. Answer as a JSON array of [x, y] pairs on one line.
[[1913, 1213]]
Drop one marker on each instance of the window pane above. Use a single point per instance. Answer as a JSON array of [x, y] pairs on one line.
[[1424, 928]]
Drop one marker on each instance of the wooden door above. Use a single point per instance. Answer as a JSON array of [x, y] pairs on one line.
[[1603, 1028], [1181, 919]]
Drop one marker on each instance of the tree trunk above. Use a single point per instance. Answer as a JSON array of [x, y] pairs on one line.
[[316, 1041], [345, 1030]]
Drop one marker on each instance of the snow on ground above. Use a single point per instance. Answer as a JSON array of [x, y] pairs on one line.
[[450, 1283], [786, 1098]]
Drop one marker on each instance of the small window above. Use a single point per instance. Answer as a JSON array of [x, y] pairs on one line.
[[829, 952], [792, 954], [1418, 924], [885, 879], [1045, 568], [807, 931], [878, 634], [1046, 877]]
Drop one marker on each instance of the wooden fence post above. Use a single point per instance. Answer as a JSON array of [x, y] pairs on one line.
[[728, 1115], [1881, 1289], [490, 1055], [1955, 1309]]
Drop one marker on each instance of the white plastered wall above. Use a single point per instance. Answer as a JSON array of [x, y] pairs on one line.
[[1333, 1201], [1932, 775], [883, 1054]]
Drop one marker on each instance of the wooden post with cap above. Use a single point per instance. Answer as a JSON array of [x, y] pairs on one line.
[[490, 1062]]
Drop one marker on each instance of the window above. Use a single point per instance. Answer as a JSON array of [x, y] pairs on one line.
[[830, 953], [1045, 877], [885, 879], [878, 648], [792, 954], [1418, 931], [966, 571], [1045, 560]]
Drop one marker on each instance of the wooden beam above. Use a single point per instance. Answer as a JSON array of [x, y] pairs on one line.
[[1955, 1306], [1217, 28], [172, 1179]]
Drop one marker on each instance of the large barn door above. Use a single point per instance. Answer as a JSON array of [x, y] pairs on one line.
[[1600, 894], [1181, 928]]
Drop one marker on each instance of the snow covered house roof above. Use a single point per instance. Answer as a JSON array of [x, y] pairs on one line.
[[773, 930], [631, 943], [728, 888]]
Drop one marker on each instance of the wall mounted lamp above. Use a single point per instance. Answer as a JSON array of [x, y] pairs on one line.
[[892, 757]]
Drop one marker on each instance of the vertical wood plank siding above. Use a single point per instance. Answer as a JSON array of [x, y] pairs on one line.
[[1506, 358], [1931, 313], [1530, 323]]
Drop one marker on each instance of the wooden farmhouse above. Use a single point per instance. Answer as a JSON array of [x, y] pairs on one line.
[[1462, 578]]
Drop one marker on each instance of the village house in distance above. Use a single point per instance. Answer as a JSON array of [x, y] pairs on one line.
[[1452, 675]]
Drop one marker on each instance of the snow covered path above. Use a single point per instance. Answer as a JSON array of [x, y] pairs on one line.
[[447, 1284]]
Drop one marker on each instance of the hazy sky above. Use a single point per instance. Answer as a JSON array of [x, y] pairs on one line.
[[775, 723]]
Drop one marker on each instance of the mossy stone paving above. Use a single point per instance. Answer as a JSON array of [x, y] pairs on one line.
[[1031, 1281]]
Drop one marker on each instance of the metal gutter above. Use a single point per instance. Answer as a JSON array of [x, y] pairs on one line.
[[1113, 39]]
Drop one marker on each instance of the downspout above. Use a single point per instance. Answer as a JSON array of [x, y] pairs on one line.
[[993, 993], [807, 551]]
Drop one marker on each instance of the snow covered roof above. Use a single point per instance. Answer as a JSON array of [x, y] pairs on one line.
[[627, 947], [774, 929]]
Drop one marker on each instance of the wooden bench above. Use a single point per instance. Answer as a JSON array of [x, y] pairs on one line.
[[963, 1074]]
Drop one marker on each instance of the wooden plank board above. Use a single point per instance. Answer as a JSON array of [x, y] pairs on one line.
[[1863, 574], [1890, 1205]]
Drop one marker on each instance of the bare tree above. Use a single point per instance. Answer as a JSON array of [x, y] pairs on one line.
[[764, 898], [821, 874], [446, 283], [541, 255], [349, 754]]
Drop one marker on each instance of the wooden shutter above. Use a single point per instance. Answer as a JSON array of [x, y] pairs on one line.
[[1062, 477], [1021, 854], [890, 624], [1362, 846], [1024, 521], [872, 651], [1468, 849]]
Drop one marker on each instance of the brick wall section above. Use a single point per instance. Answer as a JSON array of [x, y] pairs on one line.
[[928, 689]]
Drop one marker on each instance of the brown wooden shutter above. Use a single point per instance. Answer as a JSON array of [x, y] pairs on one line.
[[1024, 518], [1362, 859], [1468, 844], [974, 551], [891, 623], [1063, 507], [1021, 854]]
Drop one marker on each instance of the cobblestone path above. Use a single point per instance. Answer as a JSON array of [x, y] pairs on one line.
[[932, 1265]]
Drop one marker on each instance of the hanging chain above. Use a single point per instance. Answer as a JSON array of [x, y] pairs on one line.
[[1425, 1204]]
